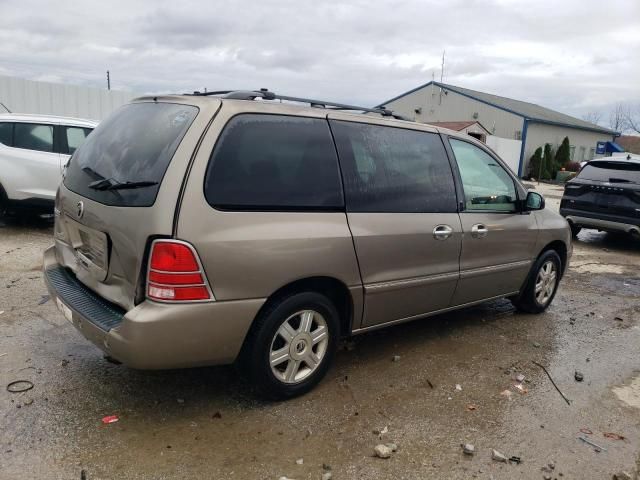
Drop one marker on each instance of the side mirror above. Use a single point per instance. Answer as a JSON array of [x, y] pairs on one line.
[[534, 201]]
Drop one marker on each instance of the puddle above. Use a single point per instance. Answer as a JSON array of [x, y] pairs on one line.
[[619, 285], [629, 394]]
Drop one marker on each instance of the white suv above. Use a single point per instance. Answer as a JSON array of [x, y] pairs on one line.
[[33, 151]]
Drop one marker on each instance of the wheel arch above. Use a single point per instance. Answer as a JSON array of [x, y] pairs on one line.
[[330, 287], [561, 249]]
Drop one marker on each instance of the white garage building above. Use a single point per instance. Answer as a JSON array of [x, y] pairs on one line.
[[506, 118]]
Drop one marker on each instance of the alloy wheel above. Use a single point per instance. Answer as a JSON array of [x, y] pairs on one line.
[[298, 347]]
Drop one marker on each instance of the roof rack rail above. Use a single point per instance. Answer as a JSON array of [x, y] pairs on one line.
[[265, 94]]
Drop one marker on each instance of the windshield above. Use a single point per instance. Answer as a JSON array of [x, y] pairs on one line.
[[132, 146], [613, 172]]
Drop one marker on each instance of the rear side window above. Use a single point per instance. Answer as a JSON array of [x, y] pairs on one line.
[[75, 137], [274, 162], [134, 144], [613, 172], [33, 136], [387, 169], [6, 133]]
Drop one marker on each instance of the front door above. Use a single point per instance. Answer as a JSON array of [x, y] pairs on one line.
[[401, 209], [498, 240]]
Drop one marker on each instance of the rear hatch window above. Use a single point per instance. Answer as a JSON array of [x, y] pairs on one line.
[[611, 172], [123, 161]]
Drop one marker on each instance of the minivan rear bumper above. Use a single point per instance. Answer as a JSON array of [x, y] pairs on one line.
[[152, 335]]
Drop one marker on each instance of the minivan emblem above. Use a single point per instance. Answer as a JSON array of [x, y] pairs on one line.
[[80, 209]]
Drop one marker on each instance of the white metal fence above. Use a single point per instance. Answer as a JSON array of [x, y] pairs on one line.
[[28, 96]]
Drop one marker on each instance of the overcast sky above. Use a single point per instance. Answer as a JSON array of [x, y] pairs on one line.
[[570, 55]]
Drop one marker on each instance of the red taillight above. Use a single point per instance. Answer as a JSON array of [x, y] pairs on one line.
[[175, 274], [173, 257]]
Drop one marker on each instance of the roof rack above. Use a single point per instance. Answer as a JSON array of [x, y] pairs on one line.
[[265, 94]]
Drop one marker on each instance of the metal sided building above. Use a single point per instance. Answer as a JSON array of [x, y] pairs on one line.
[[532, 125], [45, 98]]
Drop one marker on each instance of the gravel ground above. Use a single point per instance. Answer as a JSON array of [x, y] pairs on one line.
[[206, 423]]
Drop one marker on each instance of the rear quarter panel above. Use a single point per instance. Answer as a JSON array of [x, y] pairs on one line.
[[252, 254]]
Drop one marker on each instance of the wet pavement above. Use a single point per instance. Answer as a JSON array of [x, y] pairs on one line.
[[206, 423]]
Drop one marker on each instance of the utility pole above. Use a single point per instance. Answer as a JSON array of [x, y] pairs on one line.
[[108, 81], [441, 77]]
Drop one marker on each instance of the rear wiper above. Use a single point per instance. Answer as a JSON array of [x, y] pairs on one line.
[[111, 184], [619, 180], [127, 185]]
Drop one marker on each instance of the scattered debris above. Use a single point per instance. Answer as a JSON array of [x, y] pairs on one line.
[[589, 442], [514, 459], [380, 431], [546, 477], [586, 431], [498, 457], [83, 474], [327, 476], [554, 383], [110, 419], [578, 376], [18, 386], [393, 447], [382, 451], [44, 299], [180, 400], [521, 389], [3, 354], [506, 393], [429, 383], [28, 402], [458, 387], [613, 436], [285, 478], [619, 319], [468, 449], [536, 344], [64, 362], [622, 476], [520, 378], [471, 407], [300, 461], [396, 358]]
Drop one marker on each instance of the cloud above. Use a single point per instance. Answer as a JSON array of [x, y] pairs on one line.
[[574, 55]]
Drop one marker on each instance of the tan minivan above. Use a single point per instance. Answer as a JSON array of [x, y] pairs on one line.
[[242, 226]]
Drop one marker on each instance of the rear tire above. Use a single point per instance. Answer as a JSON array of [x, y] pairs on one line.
[[541, 285], [291, 345]]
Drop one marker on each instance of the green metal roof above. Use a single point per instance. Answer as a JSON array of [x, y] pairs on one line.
[[527, 110]]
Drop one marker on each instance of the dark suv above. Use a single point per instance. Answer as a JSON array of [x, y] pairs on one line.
[[605, 195]]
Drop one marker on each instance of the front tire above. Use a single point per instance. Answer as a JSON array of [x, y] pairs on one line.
[[541, 285], [292, 344]]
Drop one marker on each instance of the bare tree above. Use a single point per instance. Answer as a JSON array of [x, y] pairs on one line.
[[618, 117], [632, 118], [592, 117]]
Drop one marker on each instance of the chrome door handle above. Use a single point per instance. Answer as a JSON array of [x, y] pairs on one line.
[[442, 232], [479, 231]]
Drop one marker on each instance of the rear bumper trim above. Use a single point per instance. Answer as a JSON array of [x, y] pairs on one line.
[[75, 295], [603, 224]]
